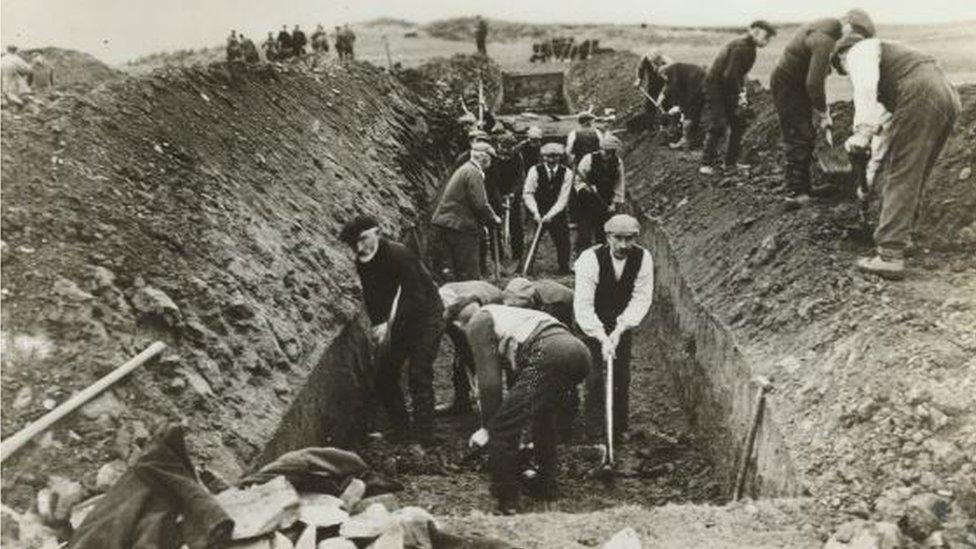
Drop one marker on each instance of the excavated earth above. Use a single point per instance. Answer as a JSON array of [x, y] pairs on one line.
[[201, 207]]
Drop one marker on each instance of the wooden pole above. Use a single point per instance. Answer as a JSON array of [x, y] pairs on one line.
[[535, 242], [22, 437]]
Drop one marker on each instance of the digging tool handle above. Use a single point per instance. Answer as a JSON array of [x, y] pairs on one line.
[[740, 479], [15, 442], [507, 224], [496, 254], [535, 243], [652, 100], [608, 402]]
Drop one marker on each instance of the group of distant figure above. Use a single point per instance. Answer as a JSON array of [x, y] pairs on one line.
[[22, 77], [563, 49], [290, 45]]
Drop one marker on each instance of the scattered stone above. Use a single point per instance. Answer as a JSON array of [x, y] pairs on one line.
[[624, 539], [860, 534], [106, 404], [945, 453], [392, 539], [371, 523], [25, 530], [307, 539], [101, 279], [109, 474], [336, 543], [155, 303], [353, 493], [197, 382], [965, 173], [923, 515], [23, 398], [80, 511], [935, 541], [321, 510], [390, 501], [262, 508], [281, 541], [69, 290], [54, 502], [418, 527]]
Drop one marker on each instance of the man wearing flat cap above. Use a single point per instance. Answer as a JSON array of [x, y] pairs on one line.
[[406, 313], [461, 215], [798, 87], [546, 194], [601, 187], [904, 110], [614, 288], [725, 90]]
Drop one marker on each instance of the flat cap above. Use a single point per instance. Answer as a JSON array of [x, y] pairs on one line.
[[355, 227], [764, 25], [520, 292], [535, 132], [551, 148], [482, 147], [477, 134], [610, 142], [860, 22], [622, 224]]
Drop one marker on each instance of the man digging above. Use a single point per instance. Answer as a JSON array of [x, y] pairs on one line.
[[614, 288]]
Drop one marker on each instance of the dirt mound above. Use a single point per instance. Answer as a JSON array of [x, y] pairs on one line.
[[871, 378], [606, 80], [201, 207], [462, 29], [74, 67]]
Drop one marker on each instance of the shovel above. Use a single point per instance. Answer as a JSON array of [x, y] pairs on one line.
[[535, 243], [605, 472], [832, 160], [496, 254]]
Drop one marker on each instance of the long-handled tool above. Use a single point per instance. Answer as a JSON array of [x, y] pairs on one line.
[[22, 437], [496, 254], [832, 160], [652, 100], [507, 226], [535, 243], [740, 478], [606, 468], [859, 168]]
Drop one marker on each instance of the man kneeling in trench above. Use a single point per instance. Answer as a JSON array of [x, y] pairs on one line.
[[543, 360]]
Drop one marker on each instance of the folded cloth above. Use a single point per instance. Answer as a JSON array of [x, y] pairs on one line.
[[141, 510]]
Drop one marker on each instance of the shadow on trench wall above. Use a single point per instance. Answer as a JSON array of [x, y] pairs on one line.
[[716, 383]]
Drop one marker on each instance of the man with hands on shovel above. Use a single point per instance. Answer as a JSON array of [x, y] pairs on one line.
[[542, 361], [614, 288], [546, 194], [406, 313]]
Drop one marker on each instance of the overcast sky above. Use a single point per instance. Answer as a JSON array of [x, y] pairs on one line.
[[117, 30]]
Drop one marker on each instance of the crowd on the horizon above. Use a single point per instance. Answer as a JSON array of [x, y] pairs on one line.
[[290, 45]]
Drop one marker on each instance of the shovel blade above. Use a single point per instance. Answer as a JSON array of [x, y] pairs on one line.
[[833, 161]]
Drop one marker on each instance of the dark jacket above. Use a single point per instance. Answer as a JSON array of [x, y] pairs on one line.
[[612, 296], [653, 81], [464, 204], [733, 63], [284, 42], [395, 266], [685, 84], [298, 39], [806, 58]]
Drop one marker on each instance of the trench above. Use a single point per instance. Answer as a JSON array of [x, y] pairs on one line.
[[692, 403]]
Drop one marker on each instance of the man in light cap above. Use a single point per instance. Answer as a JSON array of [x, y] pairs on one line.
[[798, 87], [407, 317], [904, 110], [614, 288], [546, 194], [601, 186], [461, 215]]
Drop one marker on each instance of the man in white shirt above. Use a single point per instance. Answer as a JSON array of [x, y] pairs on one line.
[[614, 288], [546, 194], [889, 77]]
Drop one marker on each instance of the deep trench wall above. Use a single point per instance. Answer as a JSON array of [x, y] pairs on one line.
[[717, 387], [199, 206]]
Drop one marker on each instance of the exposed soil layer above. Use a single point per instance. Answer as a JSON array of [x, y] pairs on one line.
[[73, 67]]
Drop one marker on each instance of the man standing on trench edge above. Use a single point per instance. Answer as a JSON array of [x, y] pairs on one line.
[[405, 310], [904, 110], [614, 289], [798, 87], [460, 216], [725, 90], [543, 361]]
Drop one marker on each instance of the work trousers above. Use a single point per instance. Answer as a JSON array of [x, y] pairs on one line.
[[480, 43], [927, 109], [795, 113], [596, 389], [516, 228], [456, 256], [558, 230], [549, 364], [462, 366], [589, 228], [691, 109], [419, 353], [724, 118]]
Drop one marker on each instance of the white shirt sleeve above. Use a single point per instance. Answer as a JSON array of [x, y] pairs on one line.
[[640, 300], [582, 172], [564, 189], [619, 190], [570, 139], [528, 191], [864, 68], [587, 275]]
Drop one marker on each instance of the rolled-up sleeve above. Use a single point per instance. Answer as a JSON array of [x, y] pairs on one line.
[[583, 172], [620, 188], [640, 300], [528, 191], [563, 199], [587, 275], [863, 66]]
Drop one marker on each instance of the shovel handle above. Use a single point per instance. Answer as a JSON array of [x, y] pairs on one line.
[[608, 403], [535, 243]]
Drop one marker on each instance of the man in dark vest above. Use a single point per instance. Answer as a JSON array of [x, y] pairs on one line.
[[614, 288], [481, 35], [904, 110], [298, 41], [798, 87], [285, 49], [249, 50], [579, 143], [684, 92], [461, 215], [405, 310], [270, 48], [234, 52], [725, 89], [546, 194], [600, 185]]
